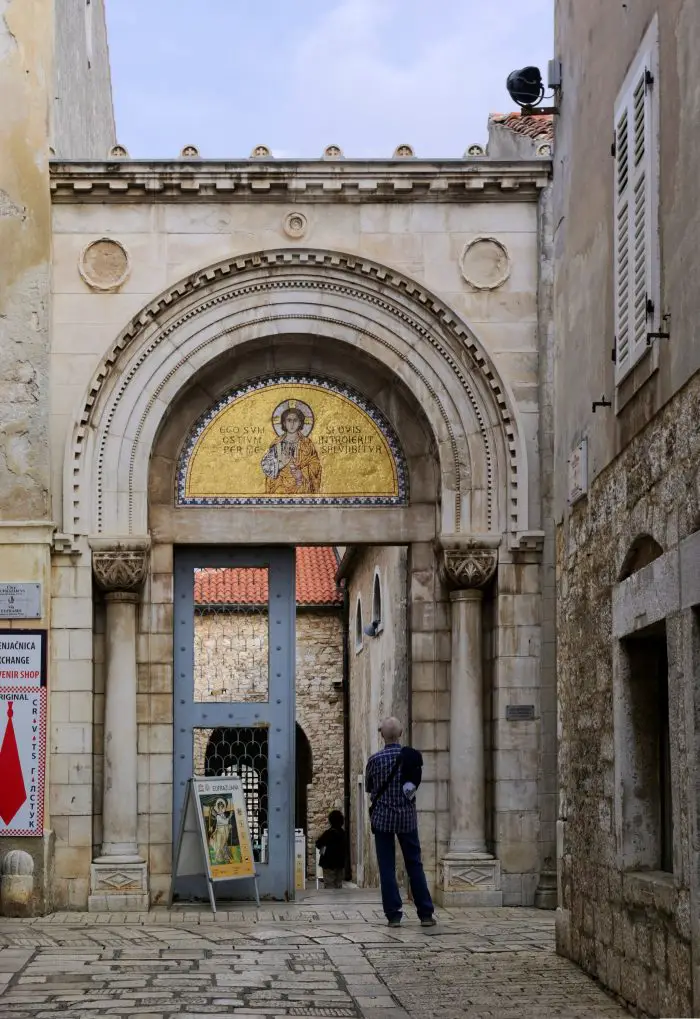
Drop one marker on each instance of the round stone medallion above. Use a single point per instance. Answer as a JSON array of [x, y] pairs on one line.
[[485, 263], [104, 264], [295, 224]]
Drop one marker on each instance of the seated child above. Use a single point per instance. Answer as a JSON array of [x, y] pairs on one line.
[[332, 846]]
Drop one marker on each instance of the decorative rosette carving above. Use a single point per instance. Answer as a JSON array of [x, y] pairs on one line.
[[465, 568], [121, 565]]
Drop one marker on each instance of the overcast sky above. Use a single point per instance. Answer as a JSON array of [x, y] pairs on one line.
[[298, 75]]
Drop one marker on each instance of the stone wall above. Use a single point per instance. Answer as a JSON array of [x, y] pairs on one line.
[[82, 116], [378, 677], [320, 713], [631, 928]]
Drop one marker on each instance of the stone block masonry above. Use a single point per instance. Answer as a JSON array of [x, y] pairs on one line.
[[630, 927]]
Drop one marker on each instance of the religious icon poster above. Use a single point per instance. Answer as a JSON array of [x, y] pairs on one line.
[[223, 823]]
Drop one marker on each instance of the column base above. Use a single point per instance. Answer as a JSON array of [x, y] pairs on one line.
[[546, 892], [118, 885], [470, 879]]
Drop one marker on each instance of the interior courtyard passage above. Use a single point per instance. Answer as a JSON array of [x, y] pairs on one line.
[[329, 955]]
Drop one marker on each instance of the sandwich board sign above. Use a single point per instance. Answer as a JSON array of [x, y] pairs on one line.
[[214, 838]]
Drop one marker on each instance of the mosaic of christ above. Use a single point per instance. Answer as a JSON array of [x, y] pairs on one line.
[[291, 465]]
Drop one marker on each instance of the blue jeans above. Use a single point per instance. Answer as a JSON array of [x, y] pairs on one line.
[[386, 858]]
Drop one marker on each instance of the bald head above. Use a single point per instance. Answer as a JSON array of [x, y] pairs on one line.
[[391, 730]]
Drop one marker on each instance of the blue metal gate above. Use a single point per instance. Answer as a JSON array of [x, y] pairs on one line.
[[234, 711]]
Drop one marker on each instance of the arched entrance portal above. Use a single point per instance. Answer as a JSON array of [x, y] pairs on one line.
[[411, 363]]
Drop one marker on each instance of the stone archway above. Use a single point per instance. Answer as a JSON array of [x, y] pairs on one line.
[[356, 303], [411, 357]]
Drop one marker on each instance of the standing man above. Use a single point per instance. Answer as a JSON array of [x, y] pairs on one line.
[[391, 779]]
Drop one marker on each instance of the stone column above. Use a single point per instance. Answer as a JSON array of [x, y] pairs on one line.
[[470, 875], [118, 879]]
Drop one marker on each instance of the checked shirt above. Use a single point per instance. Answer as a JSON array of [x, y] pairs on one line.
[[394, 812]]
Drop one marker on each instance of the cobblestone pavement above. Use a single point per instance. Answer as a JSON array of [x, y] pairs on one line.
[[300, 960]]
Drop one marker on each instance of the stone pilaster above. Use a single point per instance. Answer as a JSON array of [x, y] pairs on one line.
[[469, 875], [118, 878]]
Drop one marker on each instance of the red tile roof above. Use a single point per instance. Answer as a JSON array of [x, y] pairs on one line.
[[534, 127], [315, 573]]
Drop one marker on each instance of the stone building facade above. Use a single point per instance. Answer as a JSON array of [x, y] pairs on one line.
[[418, 292], [627, 497]]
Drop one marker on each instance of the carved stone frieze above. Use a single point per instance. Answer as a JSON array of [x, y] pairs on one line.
[[120, 565], [469, 568]]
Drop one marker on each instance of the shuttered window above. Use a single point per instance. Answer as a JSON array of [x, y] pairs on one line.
[[635, 286]]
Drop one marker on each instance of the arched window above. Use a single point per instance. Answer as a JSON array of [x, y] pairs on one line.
[[377, 618], [359, 636], [643, 551]]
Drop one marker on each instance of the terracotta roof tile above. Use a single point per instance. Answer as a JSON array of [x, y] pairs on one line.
[[541, 126], [315, 579]]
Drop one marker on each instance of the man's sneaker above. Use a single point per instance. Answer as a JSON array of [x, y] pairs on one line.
[[396, 922], [428, 921]]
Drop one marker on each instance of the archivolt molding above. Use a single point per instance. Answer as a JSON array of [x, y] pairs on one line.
[[339, 276]]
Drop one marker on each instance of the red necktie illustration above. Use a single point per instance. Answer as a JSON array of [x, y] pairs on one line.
[[12, 790]]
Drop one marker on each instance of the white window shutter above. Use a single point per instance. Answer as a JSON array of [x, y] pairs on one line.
[[633, 248], [640, 180], [623, 269]]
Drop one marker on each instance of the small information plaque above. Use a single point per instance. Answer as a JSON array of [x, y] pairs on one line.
[[520, 712], [578, 472], [20, 601]]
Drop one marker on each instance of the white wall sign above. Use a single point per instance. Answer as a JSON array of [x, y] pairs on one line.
[[20, 601], [578, 472], [21, 658]]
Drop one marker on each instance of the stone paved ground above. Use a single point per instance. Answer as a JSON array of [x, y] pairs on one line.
[[313, 959]]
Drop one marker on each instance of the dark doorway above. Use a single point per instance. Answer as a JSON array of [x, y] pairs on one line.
[[304, 777]]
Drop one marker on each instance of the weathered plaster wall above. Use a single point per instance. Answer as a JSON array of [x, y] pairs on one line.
[[378, 677], [25, 254], [596, 43], [82, 116]]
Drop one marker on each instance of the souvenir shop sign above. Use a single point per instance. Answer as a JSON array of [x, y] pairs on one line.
[[22, 731]]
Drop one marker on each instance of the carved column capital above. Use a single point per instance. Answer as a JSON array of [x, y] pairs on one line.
[[120, 564], [469, 568]]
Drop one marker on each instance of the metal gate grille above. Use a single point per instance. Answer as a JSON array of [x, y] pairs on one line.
[[242, 752]]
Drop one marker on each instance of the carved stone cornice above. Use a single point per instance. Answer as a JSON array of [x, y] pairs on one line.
[[271, 180], [120, 564], [468, 561]]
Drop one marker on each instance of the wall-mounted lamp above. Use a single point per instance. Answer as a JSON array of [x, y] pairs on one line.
[[526, 88]]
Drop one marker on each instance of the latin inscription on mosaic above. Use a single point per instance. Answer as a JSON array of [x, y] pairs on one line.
[[292, 440]]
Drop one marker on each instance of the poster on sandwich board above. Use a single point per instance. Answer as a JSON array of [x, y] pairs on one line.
[[214, 838]]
